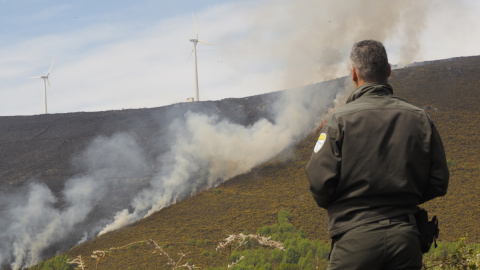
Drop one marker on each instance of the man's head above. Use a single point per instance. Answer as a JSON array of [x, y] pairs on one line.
[[369, 62]]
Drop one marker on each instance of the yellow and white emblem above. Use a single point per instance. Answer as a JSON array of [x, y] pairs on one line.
[[320, 142]]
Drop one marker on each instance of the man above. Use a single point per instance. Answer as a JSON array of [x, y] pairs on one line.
[[377, 158]]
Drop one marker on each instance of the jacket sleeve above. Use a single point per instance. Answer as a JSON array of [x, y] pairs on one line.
[[323, 169], [437, 183]]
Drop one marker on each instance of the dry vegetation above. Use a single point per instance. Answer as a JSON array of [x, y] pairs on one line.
[[449, 90], [189, 231]]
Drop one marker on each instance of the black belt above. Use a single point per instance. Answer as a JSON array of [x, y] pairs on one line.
[[401, 218]]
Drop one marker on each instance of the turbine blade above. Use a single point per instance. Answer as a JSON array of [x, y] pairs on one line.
[[51, 65], [206, 42], [36, 77], [195, 26], [191, 52], [49, 85]]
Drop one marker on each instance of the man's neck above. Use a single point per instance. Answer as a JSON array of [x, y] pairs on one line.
[[359, 82]]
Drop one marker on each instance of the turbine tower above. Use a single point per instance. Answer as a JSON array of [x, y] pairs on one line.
[[194, 51], [45, 80]]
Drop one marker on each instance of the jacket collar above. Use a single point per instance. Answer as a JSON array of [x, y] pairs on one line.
[[379, 89]]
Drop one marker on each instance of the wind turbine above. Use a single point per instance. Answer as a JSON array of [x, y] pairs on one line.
[[194, 51], [45, 80]]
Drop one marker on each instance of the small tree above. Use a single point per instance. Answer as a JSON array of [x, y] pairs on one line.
[[292, 256]]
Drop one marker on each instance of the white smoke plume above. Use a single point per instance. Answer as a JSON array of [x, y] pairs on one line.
[[120, 184], [208, 151], [34, 220], [310, 40]]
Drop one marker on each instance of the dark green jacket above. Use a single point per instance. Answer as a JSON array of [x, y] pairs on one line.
[[378, 157]]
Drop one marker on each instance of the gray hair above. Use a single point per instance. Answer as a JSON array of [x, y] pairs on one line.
[[369, 58]]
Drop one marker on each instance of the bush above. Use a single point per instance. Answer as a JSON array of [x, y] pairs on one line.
[[451, 163], [283, 216], [305, 254], [457, 255], [276, 255], [266, 231], [57, 263], [235, 256], [304, 246], [300, 253], [292, 256], [305, 264], [289, 266], [323, 250], [267, 266]]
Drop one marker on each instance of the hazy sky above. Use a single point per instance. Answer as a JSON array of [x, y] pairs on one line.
[[133, 54]]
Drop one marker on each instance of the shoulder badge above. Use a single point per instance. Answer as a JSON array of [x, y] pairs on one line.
[[320, 142]]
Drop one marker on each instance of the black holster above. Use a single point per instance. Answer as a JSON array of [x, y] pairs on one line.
[[428, 229]]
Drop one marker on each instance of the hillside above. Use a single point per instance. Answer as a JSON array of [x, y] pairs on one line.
[[448, 89], [30, 144]]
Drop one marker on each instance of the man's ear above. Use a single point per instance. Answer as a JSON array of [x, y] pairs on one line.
[[354, 75]]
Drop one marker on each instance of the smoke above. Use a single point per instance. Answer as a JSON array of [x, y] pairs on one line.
[[208, 151], [33, 220], [310, 40], [119, 183]]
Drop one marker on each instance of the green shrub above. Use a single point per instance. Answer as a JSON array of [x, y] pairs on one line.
[[57, 263], [283, 216], [289, 266], [266, 231], [301, 253], [276, 255], [323, 249], [457, 255], [304, 247], [302, 233], [255, 258], [267, 266], [305, 254], [305, 264], [235, 256], [292, 256], [451, 163]]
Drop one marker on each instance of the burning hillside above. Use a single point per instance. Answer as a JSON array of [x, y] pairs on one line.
[[71, 177]]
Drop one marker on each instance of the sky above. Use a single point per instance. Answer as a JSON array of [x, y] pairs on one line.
[[113, 55]]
